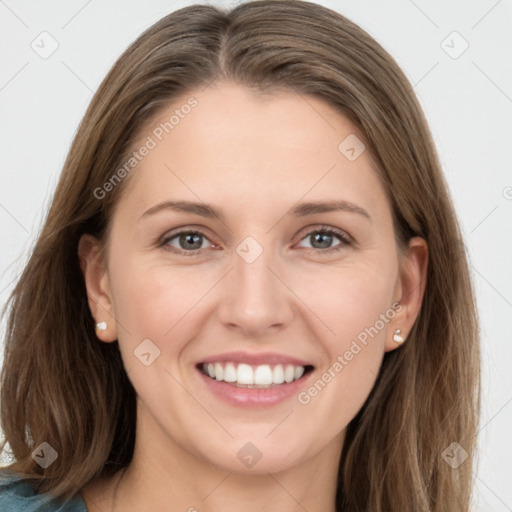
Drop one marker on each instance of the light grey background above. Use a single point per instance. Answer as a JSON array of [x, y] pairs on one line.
[[467, 100]]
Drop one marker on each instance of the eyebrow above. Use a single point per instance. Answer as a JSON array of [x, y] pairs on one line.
[[301, 210]]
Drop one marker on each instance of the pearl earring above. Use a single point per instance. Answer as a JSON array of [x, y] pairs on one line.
[[397, 337], [101, 326]]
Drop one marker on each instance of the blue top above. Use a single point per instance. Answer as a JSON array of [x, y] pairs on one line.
[[17, 495]]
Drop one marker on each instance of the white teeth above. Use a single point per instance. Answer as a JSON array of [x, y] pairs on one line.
[[289, 373], [263, 375], [244, 374], [253, 376], [219, 371], [229, 373], [278, 374]]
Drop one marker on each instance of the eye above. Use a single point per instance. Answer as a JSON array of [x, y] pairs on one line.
[[191, 241], [322, 238]]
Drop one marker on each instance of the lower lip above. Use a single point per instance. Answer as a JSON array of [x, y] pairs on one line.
[[254, 397]]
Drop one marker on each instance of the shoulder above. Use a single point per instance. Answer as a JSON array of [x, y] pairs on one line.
[[17, 495]]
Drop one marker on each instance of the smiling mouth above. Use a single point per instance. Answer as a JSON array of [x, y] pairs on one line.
[[254, 376]]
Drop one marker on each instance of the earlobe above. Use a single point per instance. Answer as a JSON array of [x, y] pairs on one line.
[[98, 287], [411, 286]]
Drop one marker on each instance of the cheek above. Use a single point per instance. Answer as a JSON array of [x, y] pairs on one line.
[[350, 300], [149, 299], [355, 310], [158, 302], [359, 307]]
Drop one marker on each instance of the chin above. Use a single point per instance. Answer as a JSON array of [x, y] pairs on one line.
[[255, 458]]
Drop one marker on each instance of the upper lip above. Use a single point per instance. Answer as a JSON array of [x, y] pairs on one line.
[[255, 359]]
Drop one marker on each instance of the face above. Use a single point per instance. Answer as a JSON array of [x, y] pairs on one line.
[[258, 282]]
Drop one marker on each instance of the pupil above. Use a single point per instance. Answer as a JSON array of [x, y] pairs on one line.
[[325, 236], [185, 239]]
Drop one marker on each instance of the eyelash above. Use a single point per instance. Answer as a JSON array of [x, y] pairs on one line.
[[323, 229]]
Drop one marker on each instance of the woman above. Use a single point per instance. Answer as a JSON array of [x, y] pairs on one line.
[[315, 347]]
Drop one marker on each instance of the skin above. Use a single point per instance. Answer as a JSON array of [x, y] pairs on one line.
[[254, 158]]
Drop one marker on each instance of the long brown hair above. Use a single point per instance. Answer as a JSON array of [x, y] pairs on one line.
[[60, 385]]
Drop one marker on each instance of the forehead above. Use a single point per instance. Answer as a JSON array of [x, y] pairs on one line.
[[228, 145]]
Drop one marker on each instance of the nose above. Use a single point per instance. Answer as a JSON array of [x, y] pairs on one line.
[[255, 297]]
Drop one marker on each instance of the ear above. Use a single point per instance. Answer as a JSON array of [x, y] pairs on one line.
[[97, 285], [409, 290]]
